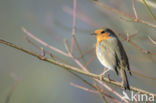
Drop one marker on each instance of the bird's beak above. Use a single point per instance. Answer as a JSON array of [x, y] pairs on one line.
[[92, 34]]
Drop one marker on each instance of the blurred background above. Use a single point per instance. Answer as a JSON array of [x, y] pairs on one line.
[[51, 21]]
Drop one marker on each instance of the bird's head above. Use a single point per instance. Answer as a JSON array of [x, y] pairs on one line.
[[104, 34]]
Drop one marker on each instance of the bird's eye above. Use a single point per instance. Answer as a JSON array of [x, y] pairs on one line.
[[102, 32]]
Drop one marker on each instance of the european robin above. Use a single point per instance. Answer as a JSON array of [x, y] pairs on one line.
[[111, 54]]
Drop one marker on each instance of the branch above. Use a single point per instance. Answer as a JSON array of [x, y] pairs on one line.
[[149, 2], [46, 52], [75, 69], [44, 43], [79, 50], [152, 41], [135, 45], [83, 88], [74, 25], [134, 10], [74, 40], [120, 13], [96, 92], [149, 10]]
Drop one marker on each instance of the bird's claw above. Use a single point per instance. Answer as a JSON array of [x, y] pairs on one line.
[[101, 76], [108, 76]]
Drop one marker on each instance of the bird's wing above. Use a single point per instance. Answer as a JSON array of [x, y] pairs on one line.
[[122, 56], [108, 55]]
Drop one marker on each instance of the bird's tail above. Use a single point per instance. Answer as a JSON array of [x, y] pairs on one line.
[[124, 79]]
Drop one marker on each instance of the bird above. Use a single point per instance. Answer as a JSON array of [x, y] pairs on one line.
[[111, 54]]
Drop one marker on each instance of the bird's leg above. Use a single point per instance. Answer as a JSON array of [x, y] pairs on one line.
[[104, 72], [108, 76]]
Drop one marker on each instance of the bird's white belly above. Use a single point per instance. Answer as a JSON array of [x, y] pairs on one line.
[[104, 59]]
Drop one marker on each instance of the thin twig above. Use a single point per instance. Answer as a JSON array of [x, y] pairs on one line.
[[152, 41], [83, 88], [74, 24], [142, 75], [79, 50], [101, 93], [75, 60], [120, 13], [94, 87], [112, 98], [74, 40], [95, 91], [46, 52], [82, 16], [15, 79], [134, 9], [74, 17], [132, 35], [42, 52], [90, 60], [44, 43], [66, 66], [112, 91], [87, 89], [135, 45], [39, 48], [149, 2], [87, 52], [149, 10]]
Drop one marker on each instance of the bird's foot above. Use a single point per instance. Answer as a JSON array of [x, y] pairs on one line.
[[103, 74], [108, 76]]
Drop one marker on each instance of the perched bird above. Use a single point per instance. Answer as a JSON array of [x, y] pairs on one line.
[[111, 54]]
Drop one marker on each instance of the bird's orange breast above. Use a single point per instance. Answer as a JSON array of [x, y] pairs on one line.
[[101, 37]]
